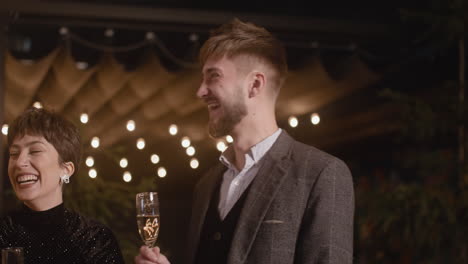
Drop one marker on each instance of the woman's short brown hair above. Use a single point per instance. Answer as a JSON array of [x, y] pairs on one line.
[[62, 134], [239, 38]]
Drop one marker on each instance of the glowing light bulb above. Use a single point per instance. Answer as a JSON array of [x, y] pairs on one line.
[[95, 142], [173, 129], [130, 125], [37, 105], [293, 122], [185, 142], [190, 151], [315, 119], [63, 30], [221, 146], [5, 129], [84, 118], [89, 161], [109, 32], [194, 163], [123, 163], [162, 172], [229, 139], [92, 173], [140, 143], [154, 159], [127, 176], [81, 65]]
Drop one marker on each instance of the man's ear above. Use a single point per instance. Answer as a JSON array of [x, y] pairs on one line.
[[257, 83], [69, 168]]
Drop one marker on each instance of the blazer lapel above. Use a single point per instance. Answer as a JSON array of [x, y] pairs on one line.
[[261, 194], [200, 206]]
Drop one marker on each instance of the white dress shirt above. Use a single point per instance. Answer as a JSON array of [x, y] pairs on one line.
[[235, 182]]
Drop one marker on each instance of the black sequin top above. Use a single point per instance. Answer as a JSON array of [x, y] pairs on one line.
[[59, 236]]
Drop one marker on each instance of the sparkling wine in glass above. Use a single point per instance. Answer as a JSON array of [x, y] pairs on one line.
[[147, 207]]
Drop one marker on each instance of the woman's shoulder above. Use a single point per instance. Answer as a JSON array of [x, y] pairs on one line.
[[96, 240]]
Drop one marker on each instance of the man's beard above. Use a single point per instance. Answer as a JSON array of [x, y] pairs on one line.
[[232, 115]]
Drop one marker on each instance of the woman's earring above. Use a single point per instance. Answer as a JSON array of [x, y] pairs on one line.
[[65, 178]]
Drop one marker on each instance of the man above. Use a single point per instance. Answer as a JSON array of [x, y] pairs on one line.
[[270, 199]]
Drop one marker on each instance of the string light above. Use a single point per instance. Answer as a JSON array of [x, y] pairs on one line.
[[37, 105], [190, 151], [127, 176], [315, 119], [92, 173], [150, 39], [293, 122], [63, 31], [140, 143], [185, 142], [173, 129], [193, 37], [5, 129], [221, 146], [162, 172], [95, 142], [154, 159], [81, 65], [130, 125], [89, 161], [109, 32], [229, 139], [194, 163], [123, 163], [150, 35], [84, 118]]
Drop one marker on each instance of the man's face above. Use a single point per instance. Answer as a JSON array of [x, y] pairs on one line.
[[222, 90]]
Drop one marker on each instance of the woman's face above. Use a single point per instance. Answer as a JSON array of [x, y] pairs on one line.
[[34, 172]]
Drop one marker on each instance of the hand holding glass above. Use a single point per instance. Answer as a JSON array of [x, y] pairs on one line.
[[147, 208]]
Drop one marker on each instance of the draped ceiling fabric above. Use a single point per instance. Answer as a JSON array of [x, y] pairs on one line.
[[155, 97]]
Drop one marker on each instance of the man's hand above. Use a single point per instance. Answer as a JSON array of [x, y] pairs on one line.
[[151, 256]]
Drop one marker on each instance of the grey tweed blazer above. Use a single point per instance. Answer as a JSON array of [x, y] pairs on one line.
[[299, 209]]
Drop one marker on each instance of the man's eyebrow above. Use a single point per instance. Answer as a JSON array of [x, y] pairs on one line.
[[210, 70]]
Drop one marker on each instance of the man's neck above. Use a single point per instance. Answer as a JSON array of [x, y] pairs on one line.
[[247, 137]]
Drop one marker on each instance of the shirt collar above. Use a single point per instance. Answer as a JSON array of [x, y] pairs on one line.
[[255, 153]]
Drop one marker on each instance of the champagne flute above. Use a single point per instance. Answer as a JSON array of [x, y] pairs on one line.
[[147, 207], [12, 255]]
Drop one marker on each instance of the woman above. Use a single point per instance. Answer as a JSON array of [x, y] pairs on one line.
[[45, 151]]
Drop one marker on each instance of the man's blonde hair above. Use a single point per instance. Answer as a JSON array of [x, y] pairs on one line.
[[239, 38]]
